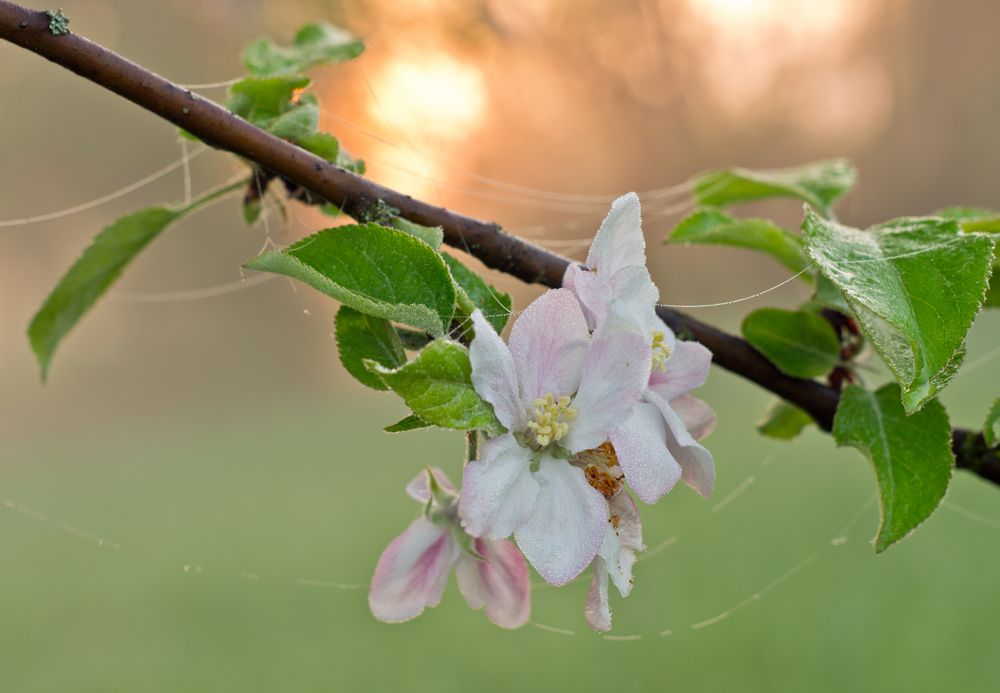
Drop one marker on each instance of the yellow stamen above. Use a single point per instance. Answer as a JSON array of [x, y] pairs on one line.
[[661, 352], [550, 419]]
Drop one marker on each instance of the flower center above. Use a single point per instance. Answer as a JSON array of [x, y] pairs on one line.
[[661, 352], [550, 419]]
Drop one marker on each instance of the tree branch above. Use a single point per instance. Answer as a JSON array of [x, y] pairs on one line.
[[486, 241]]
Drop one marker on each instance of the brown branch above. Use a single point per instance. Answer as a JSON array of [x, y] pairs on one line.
[[355, 195]]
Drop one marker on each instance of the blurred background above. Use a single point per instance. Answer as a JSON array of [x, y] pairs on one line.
[[197, 497]]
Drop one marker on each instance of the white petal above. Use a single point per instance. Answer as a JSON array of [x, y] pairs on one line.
[[696, 462], [615, 374], [498, 490], [635, 294], [494, 375], [696, 415], [594, 293], [549, 342], [562, 536], [641, 446], [687, 369], [597, 609], [419, 488], [619, 242], [500, 582], [412, 572]]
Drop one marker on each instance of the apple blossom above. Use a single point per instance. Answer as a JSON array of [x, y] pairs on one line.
[[413, 570], [560, 392]]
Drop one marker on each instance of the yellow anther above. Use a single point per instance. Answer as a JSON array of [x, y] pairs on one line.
[[549, 422], [661, 352]]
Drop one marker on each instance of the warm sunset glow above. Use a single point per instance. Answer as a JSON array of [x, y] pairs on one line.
[[434, 96]]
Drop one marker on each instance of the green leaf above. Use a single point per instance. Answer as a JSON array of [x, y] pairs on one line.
[[297, 123], [261, 100], [431, 235], [495, 305], [99, 267], [915, 286], [976, 219], [363, 338], [827, 295], [991, 429], [783, 421], [800, 343], [410, 423], [972, 218], [373, 269], [314, 44], [90, 276], [911, 454], [712, 226], [437, 386], [819, 184]]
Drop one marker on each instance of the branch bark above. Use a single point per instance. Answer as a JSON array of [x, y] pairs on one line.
[[355, 195]]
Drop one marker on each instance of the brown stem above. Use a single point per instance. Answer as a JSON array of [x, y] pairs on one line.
[[485, 240]]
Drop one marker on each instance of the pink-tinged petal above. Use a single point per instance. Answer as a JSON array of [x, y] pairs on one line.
[[549, 342], [500, 582], [598, 609], [696, 462], [687, 369], [697, 416], [641, 446], [615, 374], [412, 572], [619, 242], [562, 536], [419, 488], [498, 490], [494, 375]]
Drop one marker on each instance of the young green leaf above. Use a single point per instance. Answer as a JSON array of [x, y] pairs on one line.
[[373, 269], [314, 44], [410, 423], [431, 235], [363, 338], [991, 428], [712, 226], [783, 421], [437, 386], [819, 184], [495, 305], [915, 286], [91, 275], [911, 454], [800, 343]]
